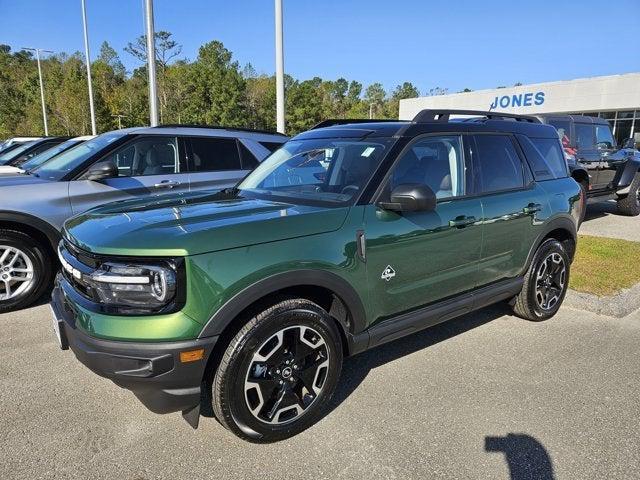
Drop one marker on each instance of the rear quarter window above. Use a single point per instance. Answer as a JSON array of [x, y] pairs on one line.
[[545, 157]]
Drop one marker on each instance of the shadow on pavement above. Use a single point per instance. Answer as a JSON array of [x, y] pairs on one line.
[[356, 369], [599, 210], [526, 457]]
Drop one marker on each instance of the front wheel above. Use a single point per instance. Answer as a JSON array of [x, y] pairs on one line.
[[545, 283], [25, 270], [630, 204], [278, 373]]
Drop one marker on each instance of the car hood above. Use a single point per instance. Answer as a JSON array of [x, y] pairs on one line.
[[20, 179], [191, 224]]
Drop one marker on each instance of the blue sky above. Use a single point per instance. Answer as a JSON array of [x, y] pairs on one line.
[[450, 44]]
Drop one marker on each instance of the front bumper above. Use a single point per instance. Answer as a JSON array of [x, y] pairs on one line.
[[152, 371]]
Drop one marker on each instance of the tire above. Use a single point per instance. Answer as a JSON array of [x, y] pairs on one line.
[[542, 293], [19, 253], [266, 359], [630, 204]]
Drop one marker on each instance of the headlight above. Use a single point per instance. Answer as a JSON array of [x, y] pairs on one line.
[[144, 287]]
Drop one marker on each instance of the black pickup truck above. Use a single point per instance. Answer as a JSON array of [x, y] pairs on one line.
[[602, 169]]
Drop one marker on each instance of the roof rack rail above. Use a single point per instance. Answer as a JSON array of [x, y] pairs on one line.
[[344, 121], [432, 115], [217, 127]]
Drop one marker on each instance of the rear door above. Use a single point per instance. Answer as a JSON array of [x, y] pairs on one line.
[[511, 202], [150, 165], [216, 162], [609, 165], [588, 153]]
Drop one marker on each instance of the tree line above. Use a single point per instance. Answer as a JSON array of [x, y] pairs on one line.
[[213, 89]]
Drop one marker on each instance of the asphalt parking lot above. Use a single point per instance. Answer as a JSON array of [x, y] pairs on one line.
[[483, 396]]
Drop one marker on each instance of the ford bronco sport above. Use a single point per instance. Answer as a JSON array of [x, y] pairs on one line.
[[352, 234]]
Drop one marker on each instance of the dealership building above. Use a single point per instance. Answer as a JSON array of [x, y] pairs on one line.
[[614, 97]]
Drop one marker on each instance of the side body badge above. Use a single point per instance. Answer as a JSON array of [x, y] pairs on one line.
[[388, 273]]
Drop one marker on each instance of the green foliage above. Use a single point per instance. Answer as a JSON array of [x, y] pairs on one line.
[[212, 89]]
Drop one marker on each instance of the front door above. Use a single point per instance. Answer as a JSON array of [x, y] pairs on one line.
[[417, 258], [147, 166]]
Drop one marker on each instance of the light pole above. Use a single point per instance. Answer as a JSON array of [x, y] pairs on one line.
[[44, 108], [151, 63], [280, 126], [88, 61]]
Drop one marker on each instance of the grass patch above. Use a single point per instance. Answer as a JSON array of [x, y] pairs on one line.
[[604, 266]]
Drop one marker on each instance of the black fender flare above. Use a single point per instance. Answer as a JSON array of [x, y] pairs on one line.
[[631, 168], [564, 222], [578, 173], [315, 278], [52, 233]]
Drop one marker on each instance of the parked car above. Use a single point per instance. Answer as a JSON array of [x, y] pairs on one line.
[[603, 170], [246, 301], [28, 150], [131, 163], [14, 142], [26, 164]]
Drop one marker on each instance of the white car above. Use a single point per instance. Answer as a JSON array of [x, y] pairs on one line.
[[43, 157]]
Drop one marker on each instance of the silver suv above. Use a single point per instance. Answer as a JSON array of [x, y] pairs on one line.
[[118, 165]]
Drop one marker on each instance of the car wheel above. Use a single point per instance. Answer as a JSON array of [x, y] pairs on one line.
[[630, 204], [545, 283], [278, 374], [25, 270]]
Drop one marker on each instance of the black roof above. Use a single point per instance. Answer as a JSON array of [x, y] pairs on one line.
[[428, 121]]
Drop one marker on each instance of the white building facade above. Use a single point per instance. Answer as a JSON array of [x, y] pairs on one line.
[[614, 97]]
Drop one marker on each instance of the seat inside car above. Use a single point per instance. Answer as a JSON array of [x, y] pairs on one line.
[[159, 159]]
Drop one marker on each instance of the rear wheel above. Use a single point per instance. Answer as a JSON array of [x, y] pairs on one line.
[[545, 283], [278, 373], [25, 270], [630, 204]]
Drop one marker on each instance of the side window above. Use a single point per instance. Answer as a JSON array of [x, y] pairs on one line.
[[437, 162], [584, 136], [248, 160], [499, 163], [604, 138], [147, 156], [214, 154], [564, 131], [545, 157]]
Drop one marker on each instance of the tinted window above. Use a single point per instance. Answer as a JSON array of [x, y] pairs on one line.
[[545, 157], [214, 154], [499, 163], [584, 136], [249, 161], [146, 156], [271, 146], [604, 138], [433, 161], [564, 131]]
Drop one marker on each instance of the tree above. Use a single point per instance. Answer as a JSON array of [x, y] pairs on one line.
[[374, 97], [110, 57], [401, 92]]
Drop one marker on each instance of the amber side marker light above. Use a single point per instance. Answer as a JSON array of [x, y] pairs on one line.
[[192, 355]]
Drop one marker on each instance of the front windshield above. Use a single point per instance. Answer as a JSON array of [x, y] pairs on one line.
[[6, 157], [328, 171], [46, 155], [65, 162]]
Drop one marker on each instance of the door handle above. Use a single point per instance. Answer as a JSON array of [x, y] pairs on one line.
[[167, 184], [532, 208], [462, 221]]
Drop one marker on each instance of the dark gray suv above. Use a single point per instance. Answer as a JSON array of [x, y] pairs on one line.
[[118, 165]]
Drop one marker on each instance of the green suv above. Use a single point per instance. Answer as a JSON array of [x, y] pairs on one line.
[[244, 302]]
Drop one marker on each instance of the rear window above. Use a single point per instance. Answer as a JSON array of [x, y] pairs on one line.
[[214, 154], [500, 165], [545, 157]]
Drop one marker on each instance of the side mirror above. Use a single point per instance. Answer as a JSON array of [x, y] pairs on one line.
[[411, 197], [102, 171]]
